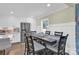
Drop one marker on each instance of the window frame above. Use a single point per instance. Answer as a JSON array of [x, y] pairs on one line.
[[42, 22]]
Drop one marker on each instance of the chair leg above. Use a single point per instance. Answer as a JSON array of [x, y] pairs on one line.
[[25, 51], [3, 52]]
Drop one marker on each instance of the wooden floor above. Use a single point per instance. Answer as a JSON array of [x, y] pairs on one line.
[[16, 49]]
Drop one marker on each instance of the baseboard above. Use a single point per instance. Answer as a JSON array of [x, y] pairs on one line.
[[16, 43]]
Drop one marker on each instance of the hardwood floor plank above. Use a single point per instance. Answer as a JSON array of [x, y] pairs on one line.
[[17, 49]]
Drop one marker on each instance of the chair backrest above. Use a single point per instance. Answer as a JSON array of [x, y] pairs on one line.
[[58, 33], [62, 44], [33, 32], [47, 32], [30, 45]]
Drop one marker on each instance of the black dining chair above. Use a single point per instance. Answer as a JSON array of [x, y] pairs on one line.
[[62, 45], [47, 32], [41, 34], [56, 33], [33, 32], [60, 48], [33, 48]]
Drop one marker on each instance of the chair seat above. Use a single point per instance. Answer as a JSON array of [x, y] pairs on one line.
[[53, 48], [38, 46]]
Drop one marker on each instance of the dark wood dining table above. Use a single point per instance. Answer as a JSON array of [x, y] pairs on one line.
[[51, 39], [45, 39]]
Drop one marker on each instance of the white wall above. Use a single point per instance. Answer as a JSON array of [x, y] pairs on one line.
[[14, 21], [67, 28]]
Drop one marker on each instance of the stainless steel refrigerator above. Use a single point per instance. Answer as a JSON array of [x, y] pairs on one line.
[[25, 28]]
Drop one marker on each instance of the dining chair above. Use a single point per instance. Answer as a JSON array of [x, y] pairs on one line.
[[60, 48], [62, 45], [56, 33], [47, 32], [41, 34], [33, 47], [33, 32]]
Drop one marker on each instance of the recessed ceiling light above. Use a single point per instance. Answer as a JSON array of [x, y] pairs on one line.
[[48, 5], [31, 16], [11, 12]]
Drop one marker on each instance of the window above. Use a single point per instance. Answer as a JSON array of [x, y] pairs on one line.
[[44, 23]]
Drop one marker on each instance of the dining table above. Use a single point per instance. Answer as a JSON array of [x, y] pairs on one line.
[[51, 39], [44, 39]]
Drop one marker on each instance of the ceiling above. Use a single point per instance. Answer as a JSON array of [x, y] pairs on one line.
[[30, 9]]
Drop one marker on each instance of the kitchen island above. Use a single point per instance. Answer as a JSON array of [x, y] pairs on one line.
[[5, 44]]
